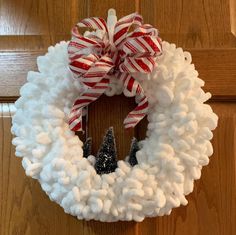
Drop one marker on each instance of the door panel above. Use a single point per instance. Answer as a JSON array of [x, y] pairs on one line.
[[205, 28], [193, 24]]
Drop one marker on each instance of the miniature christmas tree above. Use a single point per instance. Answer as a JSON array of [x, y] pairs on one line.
[[106, 160], [133, 149], [87, 147]]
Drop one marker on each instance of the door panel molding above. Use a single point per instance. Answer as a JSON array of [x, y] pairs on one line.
[[215, 66]]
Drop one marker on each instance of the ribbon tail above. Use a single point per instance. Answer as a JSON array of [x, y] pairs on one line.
[[135, 116], [75, 120], [132, 88]]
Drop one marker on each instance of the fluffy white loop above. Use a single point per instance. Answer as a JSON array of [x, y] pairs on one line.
[[170, 159]]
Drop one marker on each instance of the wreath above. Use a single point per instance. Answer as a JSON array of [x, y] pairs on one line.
[[160, 170]]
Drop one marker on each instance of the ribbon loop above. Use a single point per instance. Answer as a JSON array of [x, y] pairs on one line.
[[94, 23], [119, 52]]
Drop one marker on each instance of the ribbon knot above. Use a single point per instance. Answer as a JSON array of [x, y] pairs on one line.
[[112, 50]]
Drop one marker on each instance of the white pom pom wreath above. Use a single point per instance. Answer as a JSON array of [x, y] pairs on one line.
[[170, 159]]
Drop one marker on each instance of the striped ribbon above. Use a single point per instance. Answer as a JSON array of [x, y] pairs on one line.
[[93, 59]]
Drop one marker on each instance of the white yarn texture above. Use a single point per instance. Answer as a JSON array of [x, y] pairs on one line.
[[171, 157]]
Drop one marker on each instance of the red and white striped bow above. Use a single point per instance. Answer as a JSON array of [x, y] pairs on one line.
[[117, 52]]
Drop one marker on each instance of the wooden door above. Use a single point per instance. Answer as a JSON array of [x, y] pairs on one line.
[[206, 28]]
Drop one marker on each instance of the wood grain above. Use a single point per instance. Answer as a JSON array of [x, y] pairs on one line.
[[34, 25], [122, 7], [219, 75], [193, 24], [14, 67]]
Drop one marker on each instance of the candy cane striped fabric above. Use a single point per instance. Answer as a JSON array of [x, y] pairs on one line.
[[137, 114], [93, 59], [94, 23], [122, 27], [133, 87], [75, 118]]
